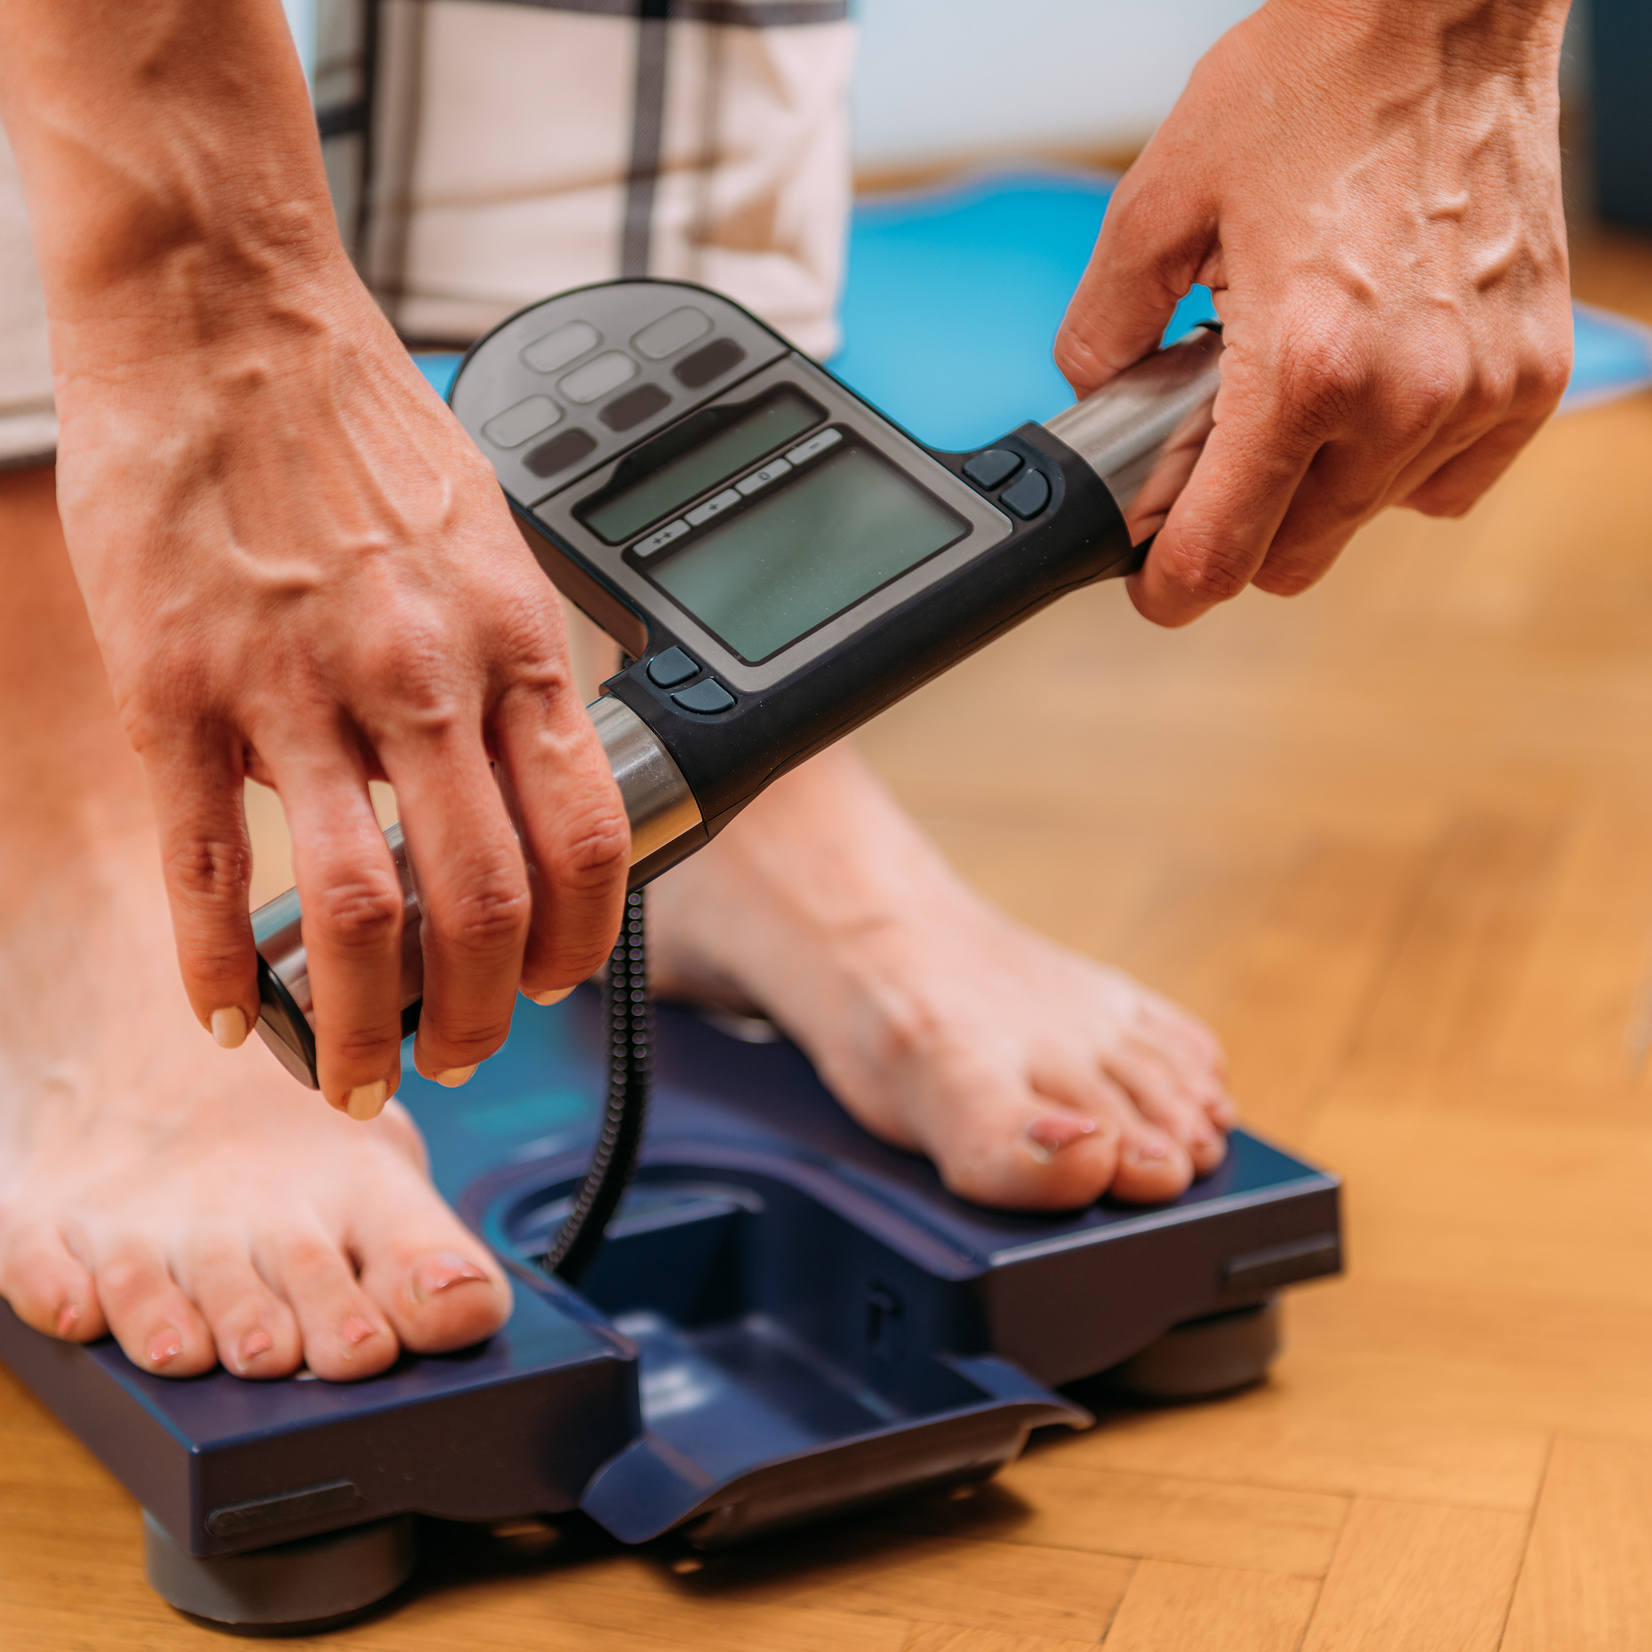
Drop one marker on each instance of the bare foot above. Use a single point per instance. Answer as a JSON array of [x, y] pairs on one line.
[[192, 1200], [1034, 1078]]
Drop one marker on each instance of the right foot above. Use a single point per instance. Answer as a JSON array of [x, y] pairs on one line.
[[191, 1201], [194, 1202]]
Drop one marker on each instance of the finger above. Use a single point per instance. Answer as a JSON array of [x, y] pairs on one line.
[[1454, 486], [473, 898], [352, 904], [576, 833], [207, 861], [1156, 235], [1219, 531]]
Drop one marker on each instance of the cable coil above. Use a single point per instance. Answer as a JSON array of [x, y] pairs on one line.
[[625, 1114]]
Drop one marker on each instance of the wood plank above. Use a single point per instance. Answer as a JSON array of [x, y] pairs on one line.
[[937, 1638], [1282, 1435], [1171, 1608], [1409, 1577], [1587, 1582], [1045, 1501]]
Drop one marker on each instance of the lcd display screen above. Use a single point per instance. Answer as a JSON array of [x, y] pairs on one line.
[[632, 501], [805, 552]]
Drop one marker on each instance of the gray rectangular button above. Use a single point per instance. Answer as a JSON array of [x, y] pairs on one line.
[[557, 349], [517, 424], [771, 472], [671, 332], [661, 537], [805, 451], [598, 377], [713, 507]]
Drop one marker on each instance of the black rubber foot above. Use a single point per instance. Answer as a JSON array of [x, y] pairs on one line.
[[314, 1583], [1203, 1357]]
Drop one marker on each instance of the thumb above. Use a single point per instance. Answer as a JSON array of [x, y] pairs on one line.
[[1154, 240]]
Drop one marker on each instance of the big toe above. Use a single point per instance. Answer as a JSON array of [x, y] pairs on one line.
[[434, 1280]]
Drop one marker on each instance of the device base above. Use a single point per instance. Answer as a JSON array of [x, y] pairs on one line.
[[313, 1583], [1214, 1355]]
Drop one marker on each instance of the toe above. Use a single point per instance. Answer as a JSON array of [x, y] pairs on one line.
[[1159, 1094], [151, 1317], [254, 1330], [47, 1287], [434, 1280], [1152, 1167], [345, 1336]]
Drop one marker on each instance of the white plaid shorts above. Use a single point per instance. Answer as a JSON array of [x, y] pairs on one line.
[[485, 153]]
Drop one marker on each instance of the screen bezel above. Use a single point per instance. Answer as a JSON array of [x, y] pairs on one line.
[[988, 527]]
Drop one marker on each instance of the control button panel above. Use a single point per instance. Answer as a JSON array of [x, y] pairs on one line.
[[671, 667], [707, 697], [996, 465], [771, 472], [555, 392], [1027, 495]]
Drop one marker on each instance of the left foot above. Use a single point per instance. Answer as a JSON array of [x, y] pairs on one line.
[[1033, 1077]]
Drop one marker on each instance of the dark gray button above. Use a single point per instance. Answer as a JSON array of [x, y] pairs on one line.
[[671, 667], [1028, 496], [997, 464], [559, 452], [709, 362], [634, 406], [707, 697]]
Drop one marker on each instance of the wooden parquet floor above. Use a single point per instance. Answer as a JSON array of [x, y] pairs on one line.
[[1395, 840]]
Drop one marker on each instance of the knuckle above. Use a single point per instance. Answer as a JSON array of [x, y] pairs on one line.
[[595, 847], [360, 911], [1207, 570], [209, 869], [489, 912]]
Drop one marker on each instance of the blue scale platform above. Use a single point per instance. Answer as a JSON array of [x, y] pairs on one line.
[[789, 1318]]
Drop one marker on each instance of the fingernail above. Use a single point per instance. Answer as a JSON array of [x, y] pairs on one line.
[[367, 1101], [455, 1076], [437, 1273], [229, 1026], [555, 996], [253, 1344], [68, 1316], [1047, 1137], [356, 1331], [163, 1346]]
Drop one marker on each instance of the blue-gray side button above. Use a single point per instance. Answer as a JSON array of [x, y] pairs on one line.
[[997, 464], [707, 697], [671, 667], [1027, 496]]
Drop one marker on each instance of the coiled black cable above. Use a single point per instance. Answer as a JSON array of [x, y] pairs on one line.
[[630, 1062]]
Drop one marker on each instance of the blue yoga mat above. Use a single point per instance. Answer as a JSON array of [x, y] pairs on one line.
[[954, 296]]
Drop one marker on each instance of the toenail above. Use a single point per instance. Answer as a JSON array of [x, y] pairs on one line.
[[367, 1101], [67, 1318], [1047, 1137], [439, 1272], [163, 1346], [253, 1344], [555, 996], [229, 1026], [1147, 1152], [455, 1076], [355, 1332]]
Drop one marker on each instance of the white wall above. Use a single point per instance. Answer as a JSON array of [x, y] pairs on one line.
[[941, 78]]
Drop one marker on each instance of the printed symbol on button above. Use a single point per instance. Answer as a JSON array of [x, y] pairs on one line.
[[712, 507], [771, 472]]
